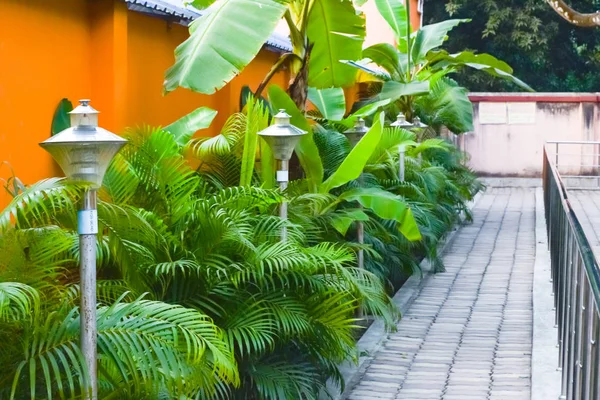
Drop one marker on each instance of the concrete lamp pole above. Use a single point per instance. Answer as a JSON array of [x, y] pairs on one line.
[[282, 137], [401, 122], [354, 135], [84, 151]]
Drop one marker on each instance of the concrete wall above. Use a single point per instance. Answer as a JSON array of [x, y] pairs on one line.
[[511, 144]]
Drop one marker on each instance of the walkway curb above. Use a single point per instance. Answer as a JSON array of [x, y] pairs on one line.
[[545, 378], [376, 335]]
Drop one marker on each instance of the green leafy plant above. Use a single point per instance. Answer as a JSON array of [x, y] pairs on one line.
[[417, 67], [198, 297]]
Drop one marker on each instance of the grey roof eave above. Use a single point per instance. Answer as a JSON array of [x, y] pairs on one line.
[[177, 11]]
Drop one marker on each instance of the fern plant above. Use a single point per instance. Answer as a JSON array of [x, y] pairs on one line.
[[198, 298]]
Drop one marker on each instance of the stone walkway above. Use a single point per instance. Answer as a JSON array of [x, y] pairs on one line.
[[468, 335]]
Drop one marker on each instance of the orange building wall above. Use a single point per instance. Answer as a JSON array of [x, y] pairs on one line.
[[151, 42], [44, 56], [51, 49]]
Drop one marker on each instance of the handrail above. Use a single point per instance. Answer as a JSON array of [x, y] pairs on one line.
[[576, 287], [571, 142]]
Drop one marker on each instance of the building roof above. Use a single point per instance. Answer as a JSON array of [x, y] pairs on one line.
[[184, 14]]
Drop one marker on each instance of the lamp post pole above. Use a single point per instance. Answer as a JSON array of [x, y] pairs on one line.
[[87, 224], [402, 155], [282, 137], [401, 122], [283, 179], [354, 135], [84, 151], [417, 124]]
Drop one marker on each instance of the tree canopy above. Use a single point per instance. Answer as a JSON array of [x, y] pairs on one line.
[[545, 50]]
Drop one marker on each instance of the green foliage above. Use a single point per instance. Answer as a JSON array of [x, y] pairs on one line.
[[202, 63], [184, 128], [417, 66], [447, 104], [393, 11], [229, 311], [61, 119], [257, 120], [547, 52], [336, 32], [331, 102], [353, 165]]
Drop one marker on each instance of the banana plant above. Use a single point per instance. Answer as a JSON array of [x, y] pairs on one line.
[[227, 37], [416, 67], [380, 202]]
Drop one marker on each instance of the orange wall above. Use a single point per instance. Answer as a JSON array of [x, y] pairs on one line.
[[44, 56], [151, 42], [51, 49]]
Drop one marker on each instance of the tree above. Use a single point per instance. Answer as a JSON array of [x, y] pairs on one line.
[[547, 52]]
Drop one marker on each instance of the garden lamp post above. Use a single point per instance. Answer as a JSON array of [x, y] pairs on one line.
[[354, 135], [401, 122], [282, 137], [84, 151], [420, 126]]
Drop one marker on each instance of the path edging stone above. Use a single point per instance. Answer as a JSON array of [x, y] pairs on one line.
[[376, 335], [545, 378]]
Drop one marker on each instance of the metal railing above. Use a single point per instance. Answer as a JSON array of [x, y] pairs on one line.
[[577, 162], [576, 287]]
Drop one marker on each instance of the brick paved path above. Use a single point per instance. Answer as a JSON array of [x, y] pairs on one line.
[[468, 334]]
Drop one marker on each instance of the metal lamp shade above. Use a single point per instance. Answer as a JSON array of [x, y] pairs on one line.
[[84, 150], [282, 137], [418, 124], [357, 132], [401, 122]]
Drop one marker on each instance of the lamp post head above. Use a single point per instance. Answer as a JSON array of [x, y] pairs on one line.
[[282, 136], [418, 124], [84, 150], [356, 133], [401, 122]]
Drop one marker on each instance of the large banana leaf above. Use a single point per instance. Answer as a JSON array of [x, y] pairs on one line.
[[185, 127], [386, 205], [482, 62], [355, 162], [394, 12], [388, 57], [432, 36], [394, 90], [342, 219], [363, 65], [330, 102], [221, 43], [306, 149], [337, 33]]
